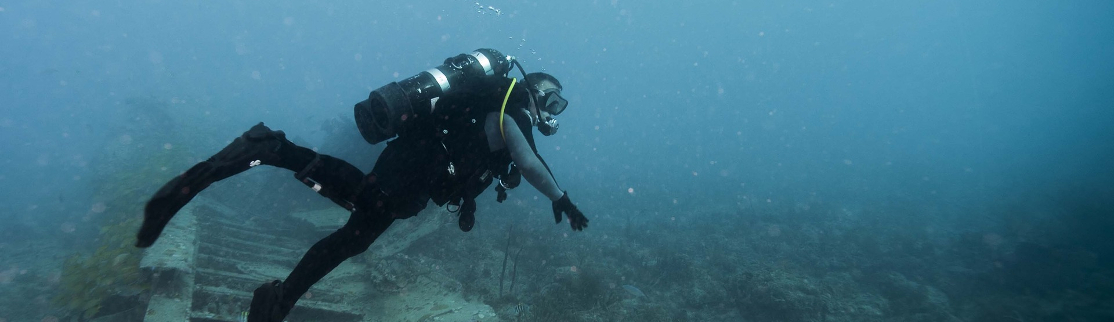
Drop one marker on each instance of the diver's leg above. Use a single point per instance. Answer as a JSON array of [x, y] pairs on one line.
[[335, 179], [273, 301], [259, 145]]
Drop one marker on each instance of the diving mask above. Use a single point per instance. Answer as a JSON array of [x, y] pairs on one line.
[[552, 102]]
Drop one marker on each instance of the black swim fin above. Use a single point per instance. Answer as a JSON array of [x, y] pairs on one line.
[[467, 215], [266, 303], [259, 145]]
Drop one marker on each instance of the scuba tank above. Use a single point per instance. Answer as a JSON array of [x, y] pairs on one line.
[[388, 109]]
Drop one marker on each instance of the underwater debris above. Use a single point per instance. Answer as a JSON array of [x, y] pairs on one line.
[[521, 309], [633, 290]]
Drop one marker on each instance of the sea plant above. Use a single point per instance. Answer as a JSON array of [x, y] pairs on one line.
[[113, 269], [130, 170]]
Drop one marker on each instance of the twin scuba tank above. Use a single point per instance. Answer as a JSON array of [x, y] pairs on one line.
[[388, 109]]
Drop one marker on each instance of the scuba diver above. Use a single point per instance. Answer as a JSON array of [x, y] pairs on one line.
[[456, 129]]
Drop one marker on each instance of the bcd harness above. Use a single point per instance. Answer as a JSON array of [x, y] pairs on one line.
[[502, 167]]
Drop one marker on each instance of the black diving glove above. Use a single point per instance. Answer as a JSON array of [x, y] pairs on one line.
[[576, 218]]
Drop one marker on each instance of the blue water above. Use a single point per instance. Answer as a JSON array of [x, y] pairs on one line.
[[951, 119]]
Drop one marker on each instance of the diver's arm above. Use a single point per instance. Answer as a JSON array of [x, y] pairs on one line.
[[525, 159]]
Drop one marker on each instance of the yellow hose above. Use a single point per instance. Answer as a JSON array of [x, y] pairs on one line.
[[503, 110]]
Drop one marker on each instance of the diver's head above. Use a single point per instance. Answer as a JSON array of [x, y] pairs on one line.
[[546, 101], [547, 93]]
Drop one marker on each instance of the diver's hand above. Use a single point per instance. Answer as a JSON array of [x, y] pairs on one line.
[[576, 218], [501, 194]]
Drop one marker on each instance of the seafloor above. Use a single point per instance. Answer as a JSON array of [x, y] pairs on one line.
[[807, 262]]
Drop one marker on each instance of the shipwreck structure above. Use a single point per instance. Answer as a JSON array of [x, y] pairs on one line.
[[212, 256]]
